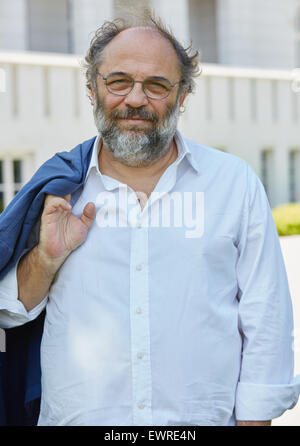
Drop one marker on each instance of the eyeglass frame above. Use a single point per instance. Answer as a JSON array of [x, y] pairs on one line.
[[139, 82]]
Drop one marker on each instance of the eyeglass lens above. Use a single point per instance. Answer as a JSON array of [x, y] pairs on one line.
[[123, 84]]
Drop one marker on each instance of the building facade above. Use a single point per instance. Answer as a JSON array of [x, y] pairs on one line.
[[250, 112]]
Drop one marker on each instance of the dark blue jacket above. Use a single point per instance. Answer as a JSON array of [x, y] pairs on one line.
[[20, 373]]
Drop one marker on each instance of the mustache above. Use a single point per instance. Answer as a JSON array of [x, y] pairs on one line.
[[131, 112]]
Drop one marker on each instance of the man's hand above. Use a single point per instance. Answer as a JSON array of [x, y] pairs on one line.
[[254, 423], [60, 233]]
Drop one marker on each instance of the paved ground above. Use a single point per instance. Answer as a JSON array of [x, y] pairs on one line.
[[291, 252]]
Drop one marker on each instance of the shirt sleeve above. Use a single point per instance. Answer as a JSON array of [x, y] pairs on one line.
[[12, 311], [266, 386]]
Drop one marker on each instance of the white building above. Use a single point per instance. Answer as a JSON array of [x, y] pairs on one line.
[[258, 33], [253, 113]]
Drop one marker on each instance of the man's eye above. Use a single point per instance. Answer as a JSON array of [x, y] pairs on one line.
[[119, 83], [156, 87], [116, 81]]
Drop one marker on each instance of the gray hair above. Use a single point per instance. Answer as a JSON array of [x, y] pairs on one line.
[[188, 62]]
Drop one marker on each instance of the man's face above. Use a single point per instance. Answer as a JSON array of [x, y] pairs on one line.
[[137, 130]]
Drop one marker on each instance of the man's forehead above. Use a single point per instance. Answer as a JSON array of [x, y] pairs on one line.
[[144, 44]]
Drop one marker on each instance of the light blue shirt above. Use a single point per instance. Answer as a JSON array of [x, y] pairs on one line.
[[177, 314]]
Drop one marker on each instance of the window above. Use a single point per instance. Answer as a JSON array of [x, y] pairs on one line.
[[203, 28], [17, 175], [267, 171], [294, 173], [14, 172], [49, 25], [297, 36]]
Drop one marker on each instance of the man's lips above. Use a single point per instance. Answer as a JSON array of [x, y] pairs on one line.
[[136, 120]]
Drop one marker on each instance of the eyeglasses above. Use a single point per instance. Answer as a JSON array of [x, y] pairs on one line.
[[121, 84]]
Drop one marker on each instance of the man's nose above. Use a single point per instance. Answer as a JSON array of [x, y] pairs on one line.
[[136, 98]]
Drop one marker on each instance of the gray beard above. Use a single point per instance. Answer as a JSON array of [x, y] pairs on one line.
[[132, 147]]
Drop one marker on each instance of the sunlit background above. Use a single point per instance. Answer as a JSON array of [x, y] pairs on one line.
[[246, 103]]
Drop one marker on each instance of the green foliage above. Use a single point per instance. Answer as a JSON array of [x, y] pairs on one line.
[[287, 218]]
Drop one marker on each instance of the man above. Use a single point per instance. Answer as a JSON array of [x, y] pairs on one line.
[[152, 320]]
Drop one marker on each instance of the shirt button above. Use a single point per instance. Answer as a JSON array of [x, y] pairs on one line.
[[141, 405], [138, 310], [139, 267], [140, 355]]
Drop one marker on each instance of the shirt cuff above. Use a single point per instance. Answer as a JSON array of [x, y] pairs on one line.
[[261, 402], [12, 311]]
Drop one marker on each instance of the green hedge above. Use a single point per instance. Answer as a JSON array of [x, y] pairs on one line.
[[287, 218]]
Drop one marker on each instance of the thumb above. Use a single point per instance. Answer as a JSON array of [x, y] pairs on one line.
[[88, 214]]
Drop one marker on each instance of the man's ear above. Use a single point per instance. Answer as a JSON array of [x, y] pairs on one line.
[[182, 98], [92, 96]]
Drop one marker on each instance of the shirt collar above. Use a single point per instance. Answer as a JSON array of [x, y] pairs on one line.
[[182, 147], [185, 152], [94, 159]]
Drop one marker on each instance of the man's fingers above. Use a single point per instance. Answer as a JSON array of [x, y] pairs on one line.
[[52, 203], [88, 214], [67, 197]]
